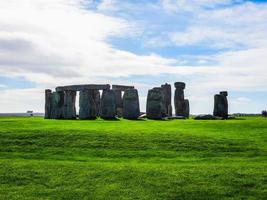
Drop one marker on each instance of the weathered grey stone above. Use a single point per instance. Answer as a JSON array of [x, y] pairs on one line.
[[155, 104], [224, 93], [83, 87], [97, 100], [108, 105], [179, 85], [186, 108], [122, 87], [48, 94], [119, 102], [87, 105], [179, 98], [131, 109], [57, 104], [167, 98], [205, 117], [164, 111], [69, 110], [221, 105]]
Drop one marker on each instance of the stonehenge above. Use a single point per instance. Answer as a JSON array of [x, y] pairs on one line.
[[87, 104], [167, 91], [48, 94], [118, 89], [69, 110], [119, 103], [108, 105], [181, 104], [61, 103], [186, 108], [83, 87], [159, 102], [122, 87], [221, 105], [97, 99], [131, 108], [123, 101], [57, 105], [155, 104]]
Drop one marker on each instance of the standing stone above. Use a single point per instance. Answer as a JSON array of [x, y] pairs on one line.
[[155, 104], [48, 104], [167, 99], [186, 108], [221, 105], [119, 102], [87, 105], [97, 102], [216, 111], [69, 110], [179, 98], [131, 109], [57, 104], [108, 105], [224, 104]]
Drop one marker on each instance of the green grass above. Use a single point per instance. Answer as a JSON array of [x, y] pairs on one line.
[[179, 159]]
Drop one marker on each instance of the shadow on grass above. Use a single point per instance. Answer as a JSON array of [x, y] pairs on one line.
[[139, 120], [110, 119]]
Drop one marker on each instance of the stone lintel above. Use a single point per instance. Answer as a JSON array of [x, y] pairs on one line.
[[83, 87], [122, 87]]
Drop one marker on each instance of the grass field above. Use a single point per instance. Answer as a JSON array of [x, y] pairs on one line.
[[179, 159]]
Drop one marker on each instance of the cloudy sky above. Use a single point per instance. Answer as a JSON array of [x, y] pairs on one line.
[[212, 45]]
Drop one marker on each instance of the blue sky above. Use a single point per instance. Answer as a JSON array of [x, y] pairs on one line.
[[212, 45]]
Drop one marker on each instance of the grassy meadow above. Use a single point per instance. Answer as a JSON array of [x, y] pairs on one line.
[[144, 159]]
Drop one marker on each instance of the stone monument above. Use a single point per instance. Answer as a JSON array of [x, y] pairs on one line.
[[181, 104], [118, 89], [69, 110], [167, 99], [131, 108], [221, 105], [87, 104], [108, 105], [57, 105], [155, 104]]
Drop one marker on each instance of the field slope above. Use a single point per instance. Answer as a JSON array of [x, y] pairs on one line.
[[179, 159]]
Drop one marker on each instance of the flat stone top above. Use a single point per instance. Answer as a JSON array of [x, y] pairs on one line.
[[166, 85], [225, 93], [122, 87], [48, 90], [179, 85], [157, 88], [83, 87]]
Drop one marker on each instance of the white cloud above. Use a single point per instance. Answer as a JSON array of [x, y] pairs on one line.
[[107, 5], [176, 6], [243, 100], [61, 42], [238, 26], [21, 100]]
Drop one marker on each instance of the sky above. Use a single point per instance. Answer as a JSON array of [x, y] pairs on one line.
[[211, 45]]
